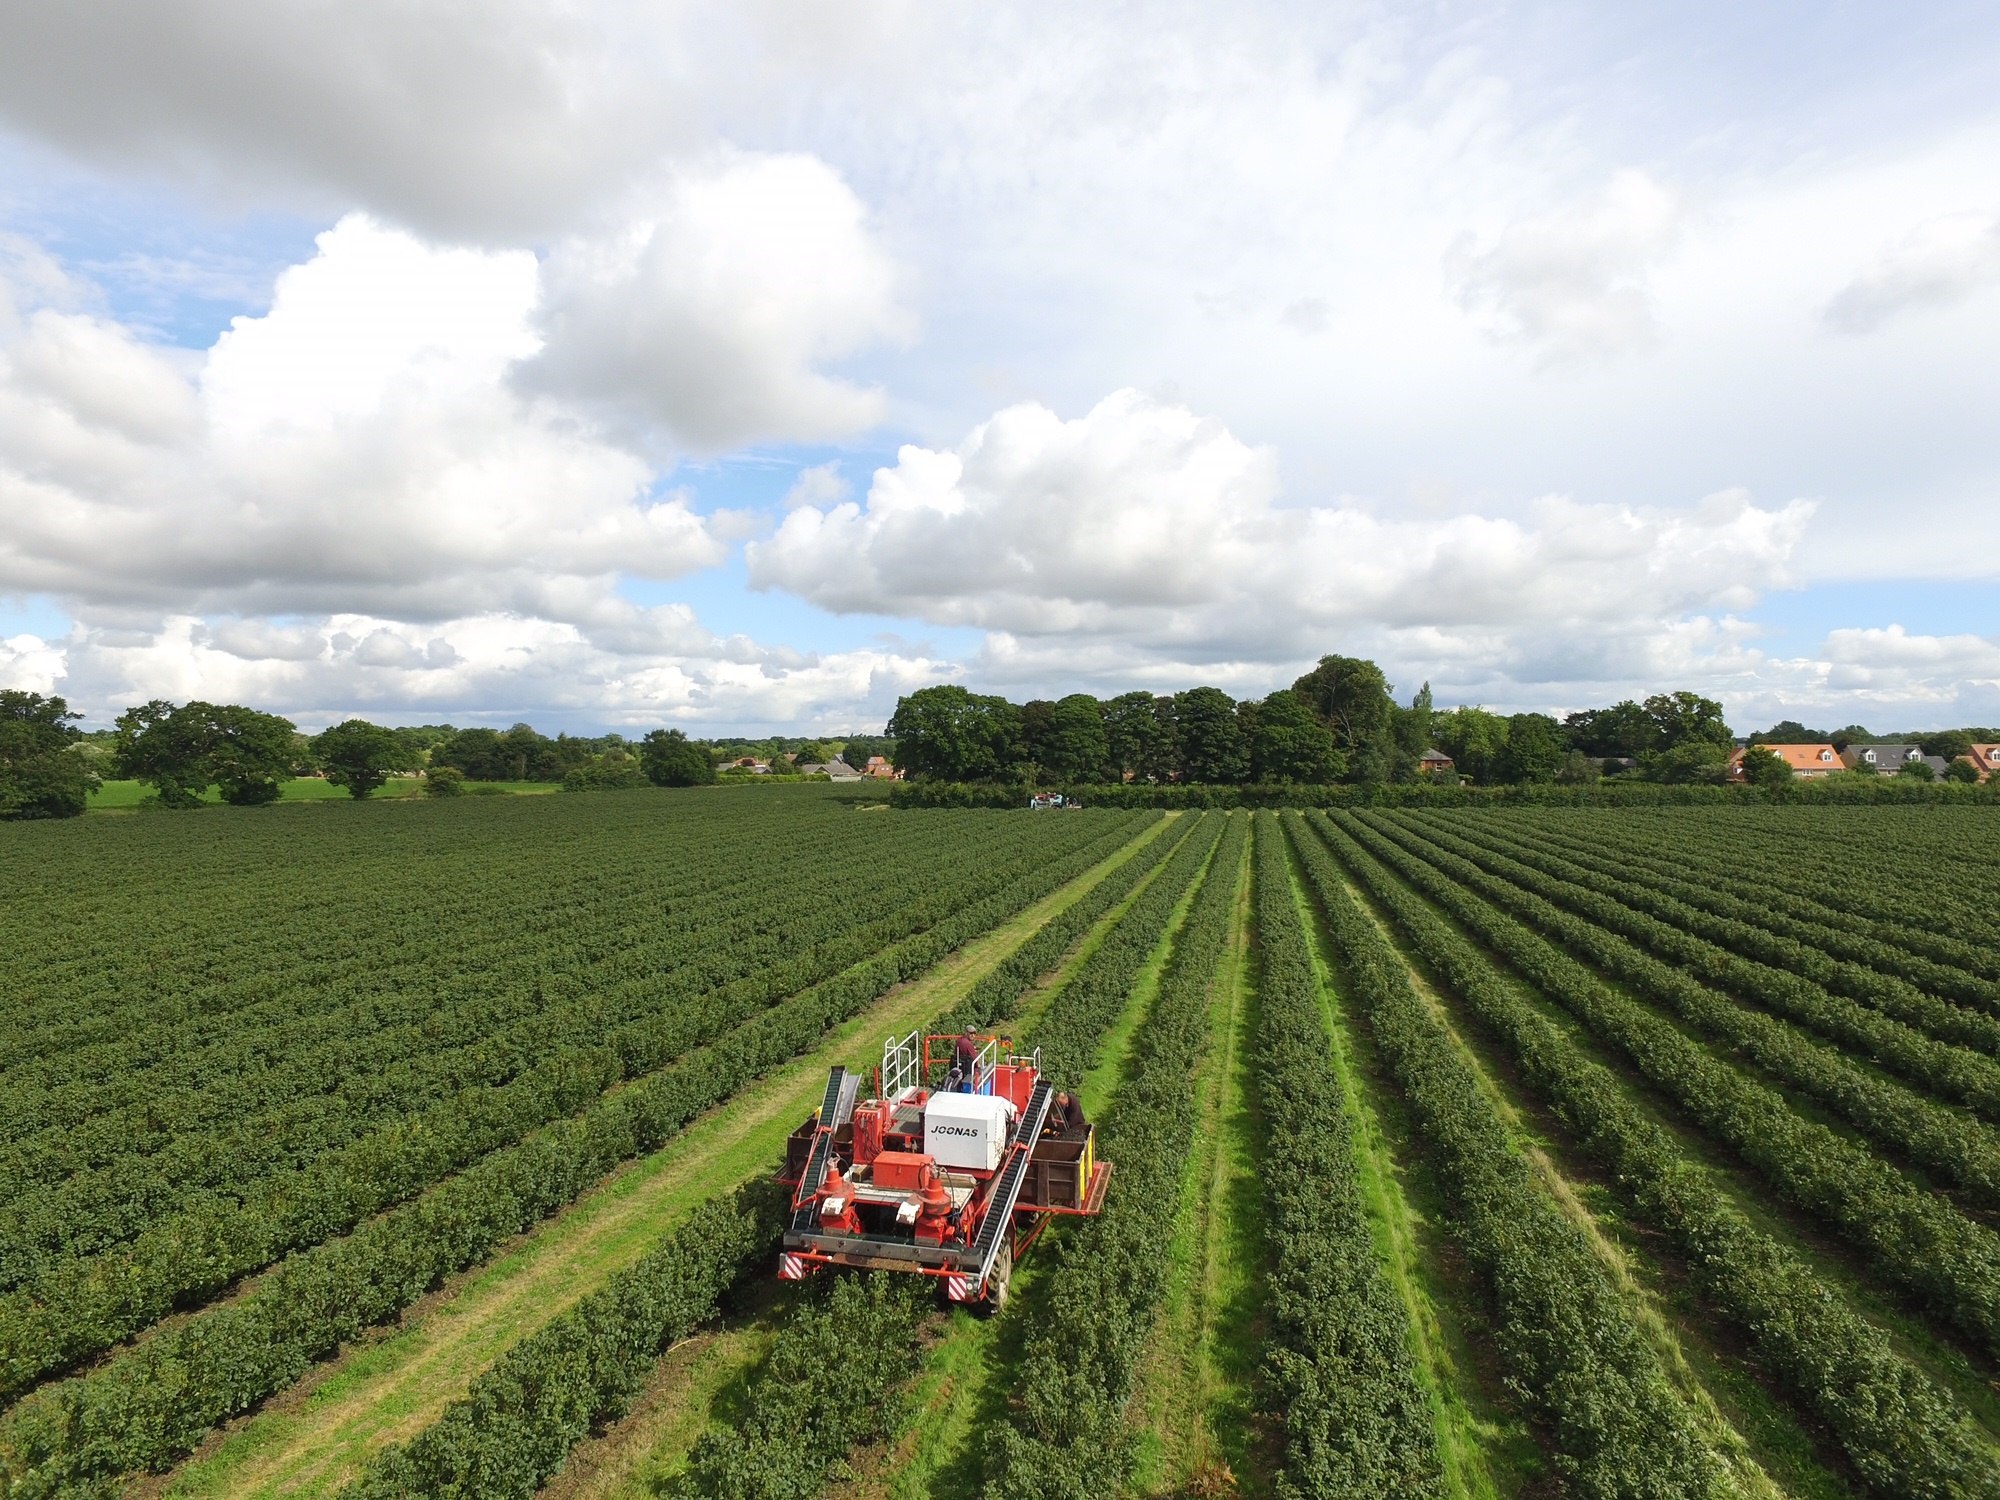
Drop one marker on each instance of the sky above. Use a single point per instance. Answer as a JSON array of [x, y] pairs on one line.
[[744, 366]]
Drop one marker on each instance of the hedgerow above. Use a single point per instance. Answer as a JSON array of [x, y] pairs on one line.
[[1831, 939], [1071, 1031], [1066, 1436], [1686, 931], [144, 1408], [521, 1418], [1781, 885], [1911, 1238], [1337, 1366], [1907, 1437], [1570, 1345], [1958, 1149], [832, 1382]]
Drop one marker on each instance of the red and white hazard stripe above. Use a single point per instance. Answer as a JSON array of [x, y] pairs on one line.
[[791, 1268], [961, 1288]]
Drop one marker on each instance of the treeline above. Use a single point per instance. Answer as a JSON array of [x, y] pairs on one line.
[[49, 768], [1338, 724]]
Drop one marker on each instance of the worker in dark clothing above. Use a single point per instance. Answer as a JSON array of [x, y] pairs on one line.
[[964, 1062], [1066, 1117]]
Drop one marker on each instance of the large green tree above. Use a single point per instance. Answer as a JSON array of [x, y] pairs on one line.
[[515, 754], [41, 774], [670, 758], [946, 733], [1625, 729], [1474, 739], [1074, 746], [1534, 750], [1685, 718], [245, 754], [361, 756], [1139, 736], [1211, 737], [1290, 744], [1351, 697]]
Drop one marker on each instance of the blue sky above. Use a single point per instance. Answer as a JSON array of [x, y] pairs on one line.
[[745, 367]]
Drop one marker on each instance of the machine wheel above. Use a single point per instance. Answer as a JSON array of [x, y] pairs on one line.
[[997, 1284]]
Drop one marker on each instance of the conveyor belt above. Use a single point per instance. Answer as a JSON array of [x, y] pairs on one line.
[[1007, 1185], [840, 1090]]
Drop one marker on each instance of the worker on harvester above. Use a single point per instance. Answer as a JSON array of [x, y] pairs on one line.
[[1065, 1117], [964, 1064]]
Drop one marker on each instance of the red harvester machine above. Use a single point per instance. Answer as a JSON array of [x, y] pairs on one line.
[[947, 1171]]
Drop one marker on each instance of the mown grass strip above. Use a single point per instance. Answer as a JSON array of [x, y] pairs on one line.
[[1067, 1436], [1338, 1361], [1194, 1416], [1905, 1435], [1613, 1422]]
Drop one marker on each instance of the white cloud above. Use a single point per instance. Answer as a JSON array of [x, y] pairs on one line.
[[1574, 284], [661, 668], [710, 315], [30, 664], [357, 447], [1942, 263], [1141, 533], [506, 118]]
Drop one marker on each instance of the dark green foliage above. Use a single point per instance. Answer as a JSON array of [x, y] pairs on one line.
[[1140, 738], [1210, 737], [512, 1431], [360, 756], [670, 758], [1067, 1439], [1622, 729], [1766, 768], [1290, 743], [1685, 718], [1351, 697], [1692, 762], [1534, 749], [516, 754], [1911, 1237], [948, 734], [183, 751], [614, 770], [1905, 1436], [1568, 1341], [40, 775], [444, 781], [828, 1385], [1073, 747], [1338, 1367]]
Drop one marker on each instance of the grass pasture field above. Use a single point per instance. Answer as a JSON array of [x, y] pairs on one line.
[[128, 796], [385, 1151]]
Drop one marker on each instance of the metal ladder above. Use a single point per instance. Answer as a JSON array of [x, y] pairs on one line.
[[1007, 1185], [834, 1109]]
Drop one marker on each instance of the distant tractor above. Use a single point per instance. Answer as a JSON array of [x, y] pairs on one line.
[[952, 1168]]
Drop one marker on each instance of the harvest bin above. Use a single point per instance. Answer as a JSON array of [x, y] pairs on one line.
[[1059, 1172]]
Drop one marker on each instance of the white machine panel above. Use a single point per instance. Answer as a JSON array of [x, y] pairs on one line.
[[967, 1131]]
